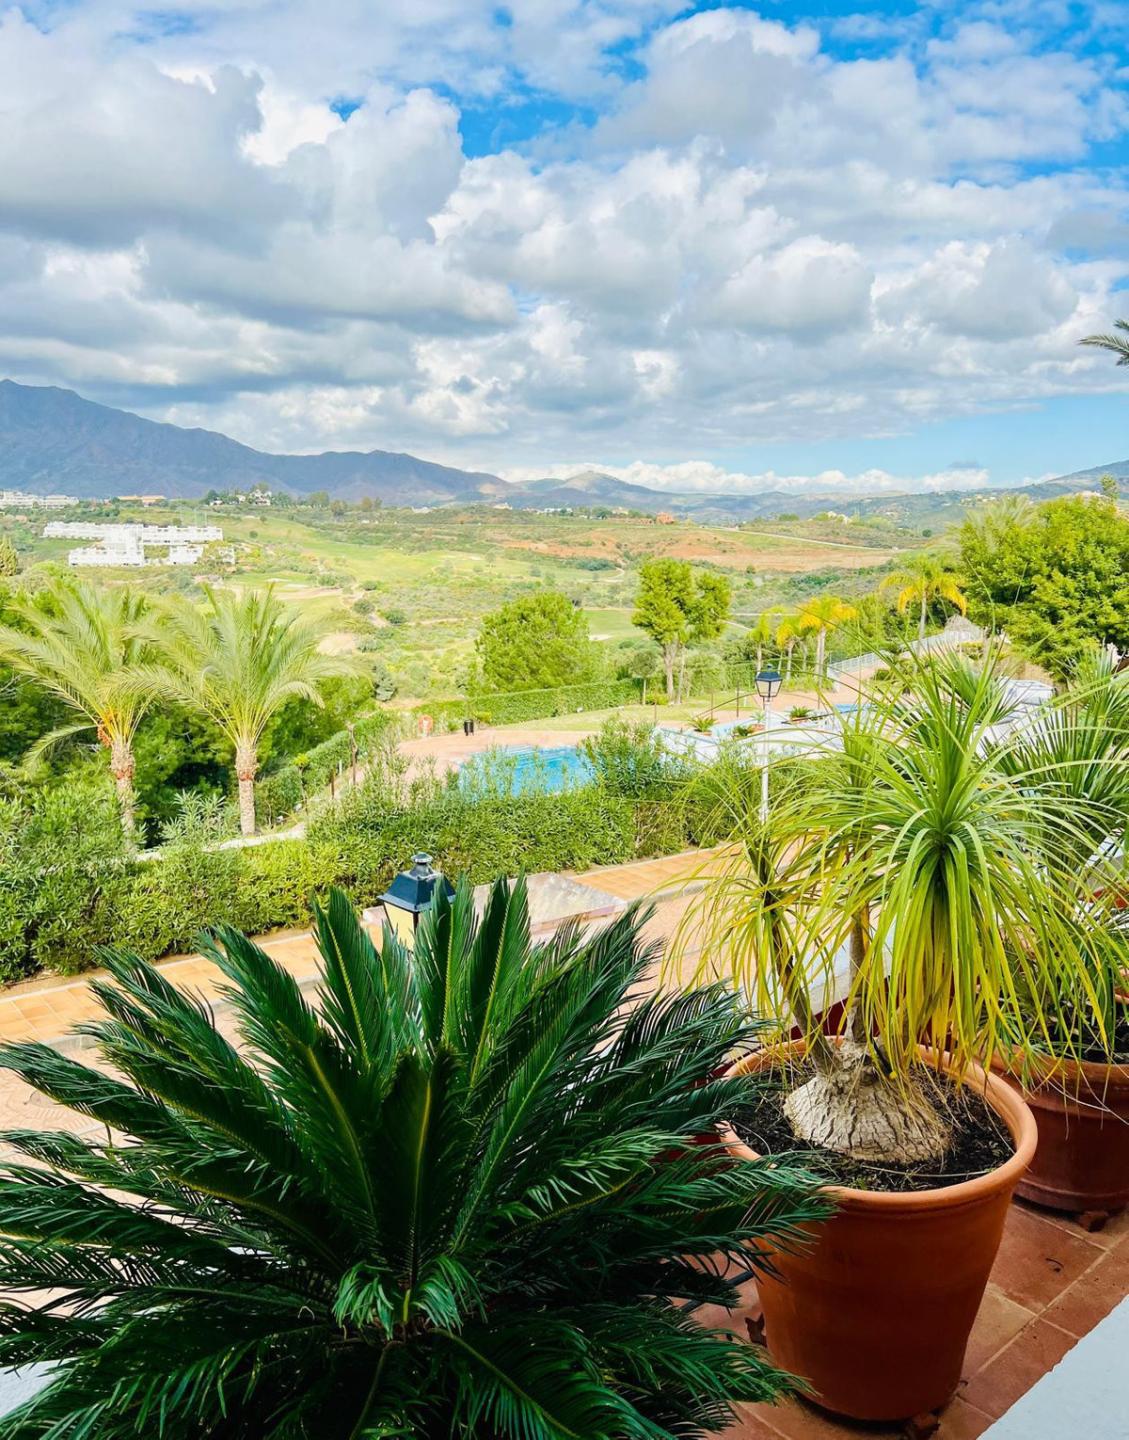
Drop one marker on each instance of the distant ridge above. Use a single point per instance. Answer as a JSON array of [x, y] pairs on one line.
[[54, 441]]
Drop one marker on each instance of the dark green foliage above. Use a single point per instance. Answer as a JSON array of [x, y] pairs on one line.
[[537, 641], [1055, 577], [630, 761], [448, 1203]]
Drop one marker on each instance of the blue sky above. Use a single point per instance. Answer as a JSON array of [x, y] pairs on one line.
[[720, 246]]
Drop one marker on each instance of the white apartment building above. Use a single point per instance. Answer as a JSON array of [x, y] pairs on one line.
[[20, 500], [110, 534], [126, 545]]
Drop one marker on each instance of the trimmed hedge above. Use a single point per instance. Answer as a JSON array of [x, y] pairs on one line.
[[54, 915], [280, 793]]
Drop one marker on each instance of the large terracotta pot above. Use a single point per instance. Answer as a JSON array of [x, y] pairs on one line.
[[876, 1314], [1083, 1118]]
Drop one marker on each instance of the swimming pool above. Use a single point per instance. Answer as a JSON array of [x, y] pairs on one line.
[[517, 768]]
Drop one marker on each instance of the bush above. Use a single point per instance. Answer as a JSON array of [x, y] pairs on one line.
[[629, 760], [63, 866]]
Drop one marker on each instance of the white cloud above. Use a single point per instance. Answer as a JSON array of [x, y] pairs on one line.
[[757, 241]]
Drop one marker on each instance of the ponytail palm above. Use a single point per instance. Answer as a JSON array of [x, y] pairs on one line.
[[81, 644], [237, 660], [931, 870], [449, 1202]]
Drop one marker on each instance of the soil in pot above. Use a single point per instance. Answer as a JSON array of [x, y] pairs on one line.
[[980, 1141], [875, 1314]]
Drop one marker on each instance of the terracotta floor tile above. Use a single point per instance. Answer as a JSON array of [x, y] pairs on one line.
[[1091, 1297], [998, 1322], [1039, 1259], [962, 1421], [793, 1420], [751, 1425], [1037, 1349]]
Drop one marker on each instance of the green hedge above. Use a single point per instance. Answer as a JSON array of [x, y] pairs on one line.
[[55, 913], [515, 706], [280, 793]]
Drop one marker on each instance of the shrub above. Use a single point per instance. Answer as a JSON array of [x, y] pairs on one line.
[[629, 760], [380, 1216]]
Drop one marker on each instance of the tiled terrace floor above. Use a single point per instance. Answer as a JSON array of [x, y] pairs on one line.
[[1052, 1281], [1051, 1285]]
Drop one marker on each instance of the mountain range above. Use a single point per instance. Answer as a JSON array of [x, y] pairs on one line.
[[53, 440]]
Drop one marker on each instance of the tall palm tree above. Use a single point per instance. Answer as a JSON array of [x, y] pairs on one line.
[[787, 635], [237, 660], [83, 644], [1116, 344], [924, 580], [819, 616], [450, 1199], [762, 633]]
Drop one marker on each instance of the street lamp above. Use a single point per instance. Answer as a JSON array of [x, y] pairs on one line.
[[410, 894], [768, 687]]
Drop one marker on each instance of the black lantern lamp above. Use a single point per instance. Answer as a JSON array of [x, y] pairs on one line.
[[768, 684], [409, 895]]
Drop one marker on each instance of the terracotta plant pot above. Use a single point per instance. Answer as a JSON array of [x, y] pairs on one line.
[[876, 1314], [1083, 1118]]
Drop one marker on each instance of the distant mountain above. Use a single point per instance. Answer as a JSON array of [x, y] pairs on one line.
[[54, 440], [593, 487]]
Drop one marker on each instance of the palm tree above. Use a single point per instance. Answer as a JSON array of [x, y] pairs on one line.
[[819, 616], [237, 660], [787, 635], [761, 634], [925, 580], [1116, 344], [448, 1199], [84, 646]]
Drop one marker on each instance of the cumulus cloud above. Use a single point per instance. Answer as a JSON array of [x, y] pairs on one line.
[[720, 232]]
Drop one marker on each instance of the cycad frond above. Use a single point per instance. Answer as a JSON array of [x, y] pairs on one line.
[[447, 1199]]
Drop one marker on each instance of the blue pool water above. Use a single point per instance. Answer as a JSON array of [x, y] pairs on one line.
[[517, 768]]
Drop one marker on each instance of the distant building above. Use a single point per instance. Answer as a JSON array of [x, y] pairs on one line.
[[142, 499], [126, 545], [20, 500], [664, 517]]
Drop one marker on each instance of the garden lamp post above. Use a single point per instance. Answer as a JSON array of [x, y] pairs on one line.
[[768, 687], [410, 894]]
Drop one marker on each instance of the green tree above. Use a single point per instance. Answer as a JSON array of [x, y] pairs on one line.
[[676, 607], [1116, 344], [819, 616], [1054, 576], [83, 645], [787, 635], [535, 642], [924, 581], [237, 661], [9, 560], [448, 1200]]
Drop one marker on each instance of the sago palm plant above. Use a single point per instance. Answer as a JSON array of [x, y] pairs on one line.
[[237, 660], [83, 645], [451, 1200], [927, 874]]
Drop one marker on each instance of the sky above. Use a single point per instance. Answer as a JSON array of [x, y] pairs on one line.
[[801, 245]]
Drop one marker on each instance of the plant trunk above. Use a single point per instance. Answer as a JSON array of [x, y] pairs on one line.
[[851, 1107], [682, 678], [760, 658], [924, 616], [820, 655], [246, 764], [788, 664], [668, 667], [122, 766]]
